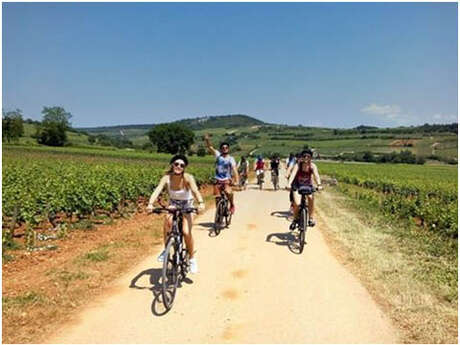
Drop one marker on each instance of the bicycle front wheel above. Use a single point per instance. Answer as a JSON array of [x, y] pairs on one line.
[[228, 214], [303, 229], [170, 274], [218, 218]]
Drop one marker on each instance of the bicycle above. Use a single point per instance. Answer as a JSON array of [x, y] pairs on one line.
[[260, 178], [275, 180], [176, 258], [222, 211], [302, 222], [243, 180]]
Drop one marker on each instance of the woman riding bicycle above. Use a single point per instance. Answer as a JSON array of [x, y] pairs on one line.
[[301, 175], [181, 186]]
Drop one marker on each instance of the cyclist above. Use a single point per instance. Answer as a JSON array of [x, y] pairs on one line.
[[259, 166], [243, 170], [302, 174], [181, 186], [225, 170], [275, 166]]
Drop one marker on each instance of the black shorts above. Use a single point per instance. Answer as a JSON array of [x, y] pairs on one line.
[[294, 187]]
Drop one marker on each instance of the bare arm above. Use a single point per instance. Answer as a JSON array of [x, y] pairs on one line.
[[211, 149], [289, 170], [235, 174], [292, 174], [316, 175], [156, 193], [194, 188]]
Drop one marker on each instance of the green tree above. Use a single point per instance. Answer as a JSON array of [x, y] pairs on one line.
[[56, 121], [92, 139], [56, 115], [12, 125], [171, 137], [368, 157], [201, 152]]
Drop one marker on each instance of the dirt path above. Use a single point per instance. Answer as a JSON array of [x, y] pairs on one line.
[[250, 289]]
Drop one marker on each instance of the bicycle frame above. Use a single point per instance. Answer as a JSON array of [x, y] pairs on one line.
[[176, 230], [303, 209], [171, 275], [222, 203], [303, 200], [275, 178]]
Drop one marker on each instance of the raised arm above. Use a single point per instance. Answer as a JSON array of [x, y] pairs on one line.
[[211, 149], [156, 193]]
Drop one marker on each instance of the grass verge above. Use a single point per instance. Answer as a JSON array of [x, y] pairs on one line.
[[411, 272]]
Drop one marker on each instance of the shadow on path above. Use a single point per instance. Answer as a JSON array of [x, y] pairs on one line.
[[281, 214], [155, 281], [289, 239], [209, 226]]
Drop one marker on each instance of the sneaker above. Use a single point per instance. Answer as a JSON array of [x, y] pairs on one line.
[[293, 225], [311, 222], [232, 209], [193, 266], [161, 257]]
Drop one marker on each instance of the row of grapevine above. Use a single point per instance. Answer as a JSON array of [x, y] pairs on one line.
[[38, 187], [427, 194]]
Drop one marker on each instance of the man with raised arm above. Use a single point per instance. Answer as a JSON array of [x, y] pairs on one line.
[[225, 170]]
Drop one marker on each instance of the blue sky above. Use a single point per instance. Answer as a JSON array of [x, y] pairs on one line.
[[317, 64]]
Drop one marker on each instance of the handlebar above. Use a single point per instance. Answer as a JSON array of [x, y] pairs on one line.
[[159, 210], [306, 190]]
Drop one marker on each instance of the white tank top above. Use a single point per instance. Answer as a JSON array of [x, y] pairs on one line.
[[179, 194]]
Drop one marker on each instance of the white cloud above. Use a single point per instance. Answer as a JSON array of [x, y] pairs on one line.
[[385, 110], [391, 113], [440, 117]]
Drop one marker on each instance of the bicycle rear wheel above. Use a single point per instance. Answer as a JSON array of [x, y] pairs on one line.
[[303, 229], [170, 274]]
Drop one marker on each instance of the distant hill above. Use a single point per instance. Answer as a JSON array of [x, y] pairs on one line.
[[225, 121], [247, 134], [218, 121]]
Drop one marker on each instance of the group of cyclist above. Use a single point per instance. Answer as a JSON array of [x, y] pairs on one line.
[[182, 188]]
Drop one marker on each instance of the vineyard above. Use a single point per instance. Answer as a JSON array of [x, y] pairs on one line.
[[56, 186], [426, 195]]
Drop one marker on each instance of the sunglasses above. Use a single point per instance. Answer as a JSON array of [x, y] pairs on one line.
[[181, 165]]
